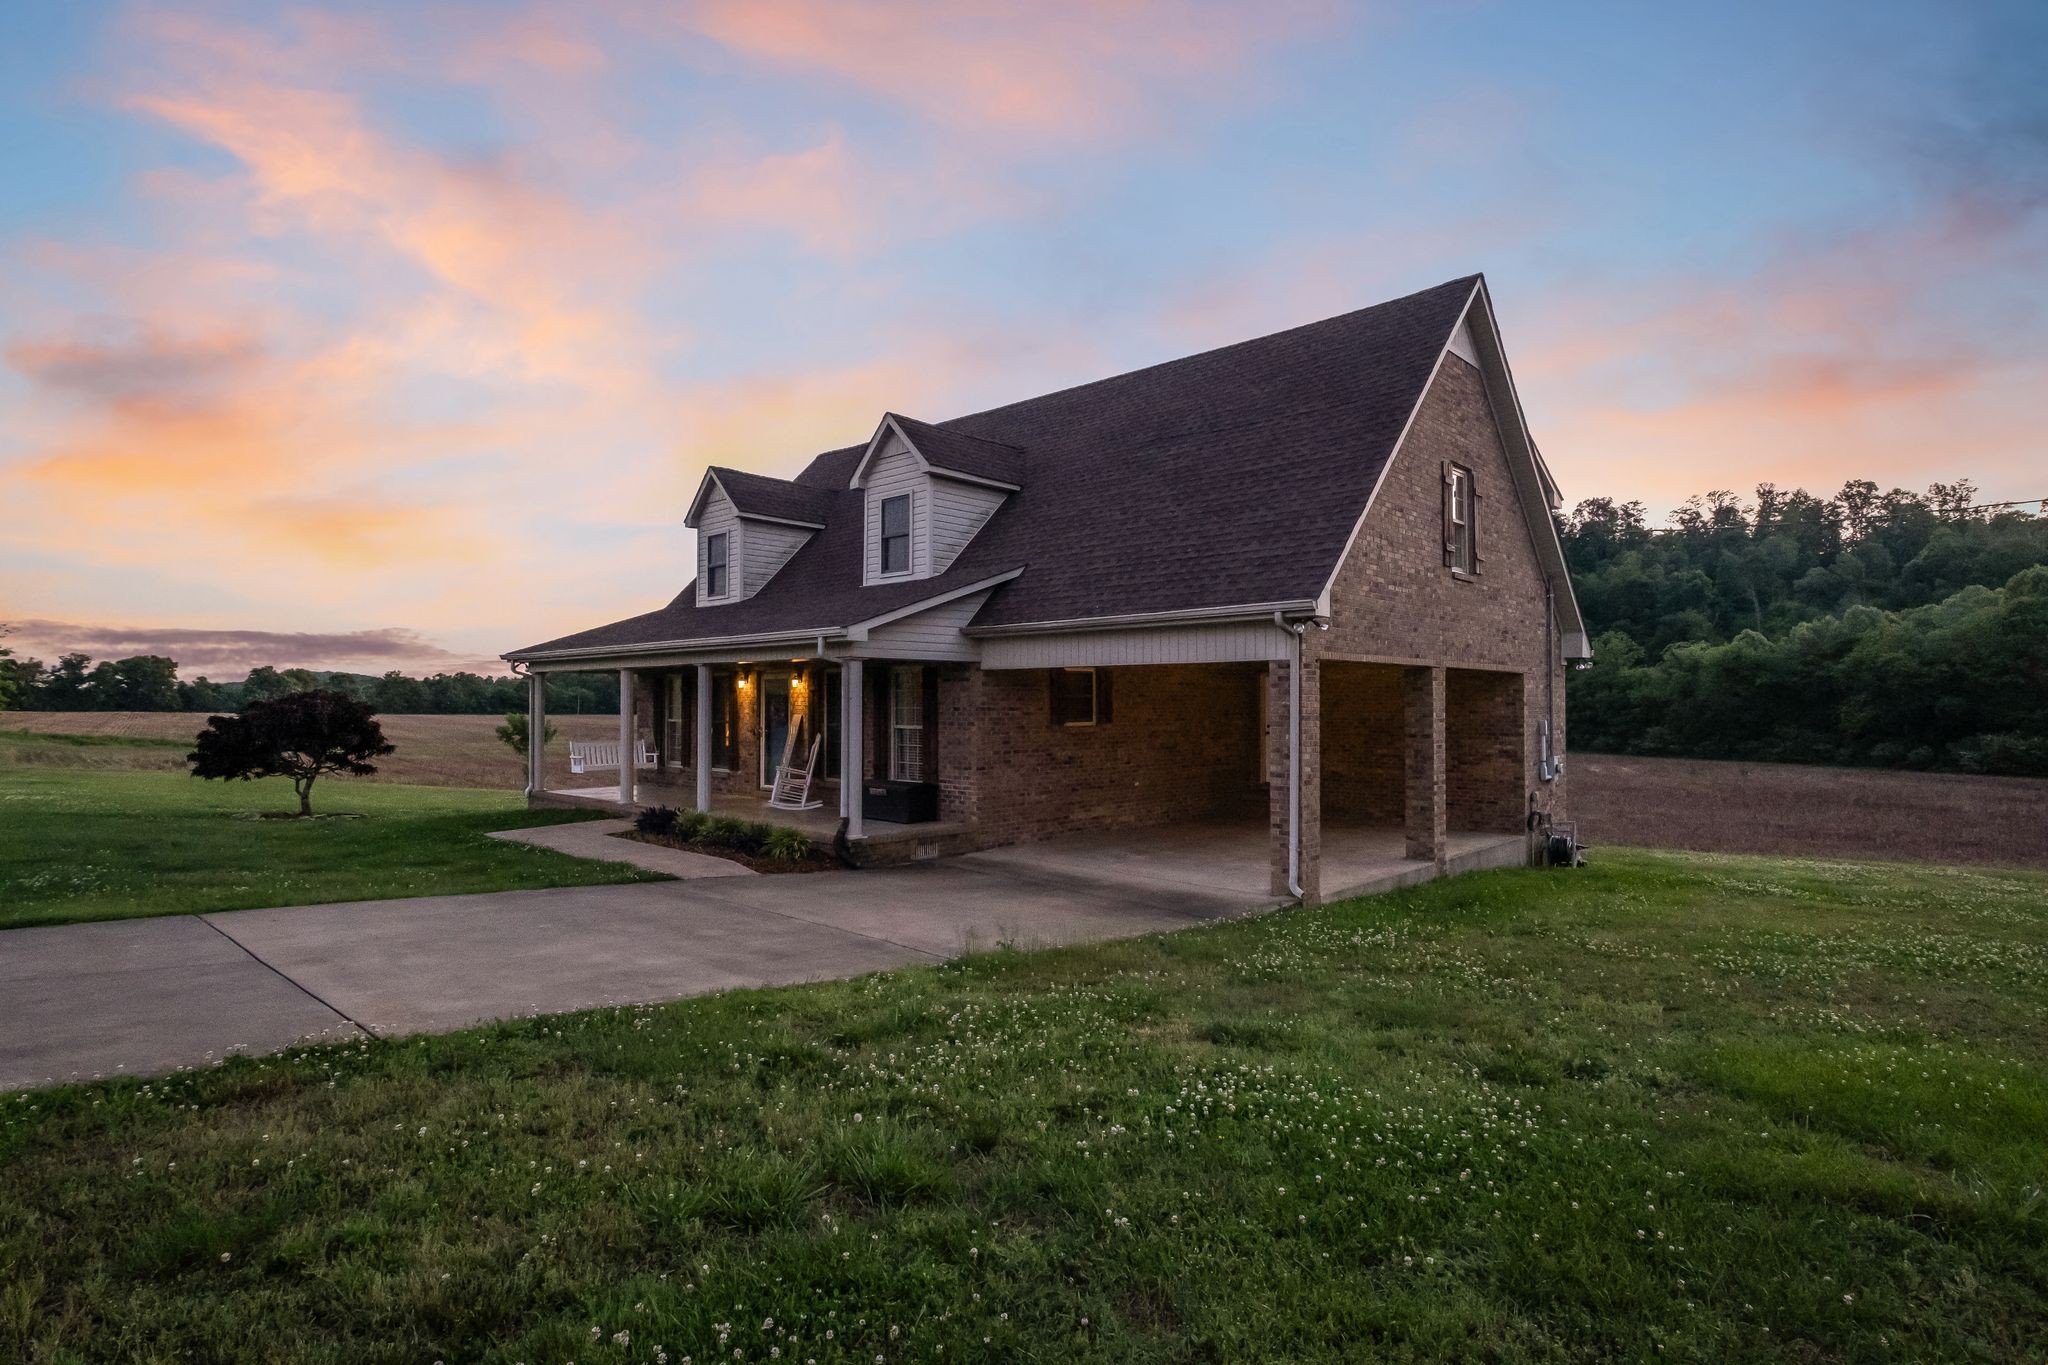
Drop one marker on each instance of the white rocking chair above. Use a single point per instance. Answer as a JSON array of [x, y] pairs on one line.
[[793, 784]]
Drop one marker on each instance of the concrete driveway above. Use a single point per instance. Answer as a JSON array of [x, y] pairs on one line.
[[149, 996]]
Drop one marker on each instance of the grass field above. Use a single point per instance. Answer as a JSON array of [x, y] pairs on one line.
[[435, 751], [86, 845], [1671, 1107]]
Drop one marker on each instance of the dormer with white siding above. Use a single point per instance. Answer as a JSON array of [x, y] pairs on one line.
[[926, 492], [747, 528]]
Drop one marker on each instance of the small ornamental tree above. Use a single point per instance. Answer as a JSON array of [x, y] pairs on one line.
[[513, 732], [299, 735]]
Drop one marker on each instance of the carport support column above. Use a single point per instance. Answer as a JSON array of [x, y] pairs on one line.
[[852, 726], [1295, 784], [702, 758], [536, 734], [627, 771], [1423, 815]]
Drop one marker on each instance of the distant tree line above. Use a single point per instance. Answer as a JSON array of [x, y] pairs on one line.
[[150, 682], [1897, 629]]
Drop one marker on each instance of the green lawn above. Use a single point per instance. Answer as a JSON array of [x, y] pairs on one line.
[[84, 845], [1666, 1108]]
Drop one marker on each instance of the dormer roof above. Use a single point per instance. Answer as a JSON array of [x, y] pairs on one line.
[[763, 498], [943, 451]]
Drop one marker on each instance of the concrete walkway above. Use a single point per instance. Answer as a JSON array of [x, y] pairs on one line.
[[155, 995]]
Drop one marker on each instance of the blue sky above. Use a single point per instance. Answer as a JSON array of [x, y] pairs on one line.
[[419, 323]]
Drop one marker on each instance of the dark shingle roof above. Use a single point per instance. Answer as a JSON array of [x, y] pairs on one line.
[[946, 449], [1229, 478], [757, 495]]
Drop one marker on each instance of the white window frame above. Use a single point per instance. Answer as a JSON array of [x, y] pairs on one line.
[[882, 536], [1094, 700], [1462, 561], [906, 724], [723, 540]]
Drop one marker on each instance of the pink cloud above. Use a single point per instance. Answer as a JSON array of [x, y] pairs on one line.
[[1059, 69], [1833, 360]]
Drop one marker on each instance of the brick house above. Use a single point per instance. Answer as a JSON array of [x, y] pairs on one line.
[[1306, 585]]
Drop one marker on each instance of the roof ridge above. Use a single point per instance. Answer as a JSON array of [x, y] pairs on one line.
[[1467, 280], [1470, 281]]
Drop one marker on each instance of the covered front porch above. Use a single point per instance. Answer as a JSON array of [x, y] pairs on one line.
[[717, 736]]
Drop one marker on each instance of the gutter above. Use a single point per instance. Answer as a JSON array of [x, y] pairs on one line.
[[795, 637], [1550, 765], [1251, 611]]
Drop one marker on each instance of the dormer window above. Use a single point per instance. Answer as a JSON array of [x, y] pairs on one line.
[[896, 534], [715, 565]]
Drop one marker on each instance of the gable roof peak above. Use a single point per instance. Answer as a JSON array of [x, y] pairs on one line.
[[761, 497], [945, 451]]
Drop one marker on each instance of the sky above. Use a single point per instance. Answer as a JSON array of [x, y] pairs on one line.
[[397, 336]]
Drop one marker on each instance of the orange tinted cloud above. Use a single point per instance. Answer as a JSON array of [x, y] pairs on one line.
[[1057, 69], [1834, 360]]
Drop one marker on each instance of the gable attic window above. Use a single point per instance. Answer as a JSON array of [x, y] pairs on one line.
[[896, 534], [1461, 511], [715, 565]]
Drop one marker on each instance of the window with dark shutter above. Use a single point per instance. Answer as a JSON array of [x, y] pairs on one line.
[[1076, 696]]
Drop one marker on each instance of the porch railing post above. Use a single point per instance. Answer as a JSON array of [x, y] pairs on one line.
[[704, 738], [851, 726], [628, 771], [536, 734]]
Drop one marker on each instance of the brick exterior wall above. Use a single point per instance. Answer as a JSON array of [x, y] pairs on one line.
[[1182, 743], [1395, 600], [1484, 714], [1423, 754], [1362, 742], [1309, 860]]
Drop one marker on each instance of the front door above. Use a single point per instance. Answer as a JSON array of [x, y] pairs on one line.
[[774, 725]]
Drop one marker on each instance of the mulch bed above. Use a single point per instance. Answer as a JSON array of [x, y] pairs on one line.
[[817, 861]]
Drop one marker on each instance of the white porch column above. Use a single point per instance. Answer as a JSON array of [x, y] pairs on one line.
[[627, 771], [536, 734], [703, 758], [850, 727]]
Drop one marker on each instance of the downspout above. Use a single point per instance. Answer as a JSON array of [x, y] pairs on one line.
[[1552, 765], [1294, 633]]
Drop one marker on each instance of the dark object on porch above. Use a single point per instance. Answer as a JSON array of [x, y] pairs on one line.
[[902, 803]]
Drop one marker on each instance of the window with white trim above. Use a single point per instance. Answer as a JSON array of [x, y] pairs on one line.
[[715, 555], [906, 724], [896, 534]]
